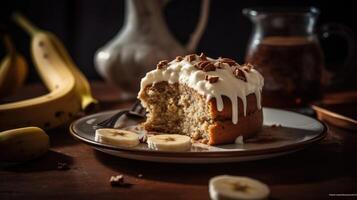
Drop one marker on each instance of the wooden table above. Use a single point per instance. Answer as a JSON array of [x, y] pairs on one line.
[[327, 168]]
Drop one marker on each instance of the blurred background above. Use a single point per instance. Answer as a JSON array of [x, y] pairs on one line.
[[84, 26]]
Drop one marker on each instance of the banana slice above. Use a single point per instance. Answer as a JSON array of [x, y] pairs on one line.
[[169, 142], [117, 137], [237, 187]]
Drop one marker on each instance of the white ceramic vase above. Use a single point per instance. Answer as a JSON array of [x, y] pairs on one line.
[[142, 42]]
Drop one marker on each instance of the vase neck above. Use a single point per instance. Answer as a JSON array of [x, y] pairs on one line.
[[140, 13]]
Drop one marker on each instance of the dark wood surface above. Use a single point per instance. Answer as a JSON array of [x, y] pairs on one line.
[[326, 168]]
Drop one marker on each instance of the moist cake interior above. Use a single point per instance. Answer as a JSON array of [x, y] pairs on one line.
[[176, 108]]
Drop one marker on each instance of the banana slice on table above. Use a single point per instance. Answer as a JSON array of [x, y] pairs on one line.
[[169, 142], [117, 137], [237, 187]]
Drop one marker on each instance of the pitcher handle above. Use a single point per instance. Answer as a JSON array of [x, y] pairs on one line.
[[347, 34], [201, 25]]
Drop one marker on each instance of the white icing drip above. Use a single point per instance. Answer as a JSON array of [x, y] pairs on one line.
[[184, 72], [219, 102]]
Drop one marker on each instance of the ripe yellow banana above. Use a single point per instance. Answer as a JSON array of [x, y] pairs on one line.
[[82, 85], [52, 109], [23, 144], [13, 69], [69, 89]]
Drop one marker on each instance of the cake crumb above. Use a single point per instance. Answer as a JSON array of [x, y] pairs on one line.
[[239, 140], [117, 180]]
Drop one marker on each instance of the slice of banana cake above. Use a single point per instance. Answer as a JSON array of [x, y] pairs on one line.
[[211, 100]]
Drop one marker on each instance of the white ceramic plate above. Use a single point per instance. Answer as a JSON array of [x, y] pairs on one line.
[[296, 132]]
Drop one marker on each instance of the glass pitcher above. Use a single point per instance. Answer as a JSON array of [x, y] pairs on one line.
[[286, 50]]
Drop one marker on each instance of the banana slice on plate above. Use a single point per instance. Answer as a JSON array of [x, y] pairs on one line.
[[169, 142], [117, 137], [237, 187]]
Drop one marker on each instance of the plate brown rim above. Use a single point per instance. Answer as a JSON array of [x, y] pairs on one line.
[[208, 154]]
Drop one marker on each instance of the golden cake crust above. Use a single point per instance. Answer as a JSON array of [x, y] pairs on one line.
[[224, 131]]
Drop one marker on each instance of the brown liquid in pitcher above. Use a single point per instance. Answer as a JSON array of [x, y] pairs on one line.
[[291, 67]]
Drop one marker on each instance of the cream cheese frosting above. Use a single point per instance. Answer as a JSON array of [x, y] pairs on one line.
[[185, 71]]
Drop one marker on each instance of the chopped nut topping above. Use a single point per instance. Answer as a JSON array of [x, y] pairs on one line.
[[206, 66], [203, 56], [191, 57], [179, 58], [211, 79], [248, 67], [228, 61], [239, 74], [202, 64], [209, 67], [162, 64]]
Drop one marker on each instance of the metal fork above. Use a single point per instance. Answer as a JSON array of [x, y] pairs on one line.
[[136, 111]]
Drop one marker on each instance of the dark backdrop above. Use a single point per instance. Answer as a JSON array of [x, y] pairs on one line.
[[86, 25]]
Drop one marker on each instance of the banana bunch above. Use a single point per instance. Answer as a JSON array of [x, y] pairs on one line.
[[13, 69], [69, 91]]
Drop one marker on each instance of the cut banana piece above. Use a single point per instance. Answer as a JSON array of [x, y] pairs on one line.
[[169, 142], [237, 187], [23, 144], [117, 137]]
